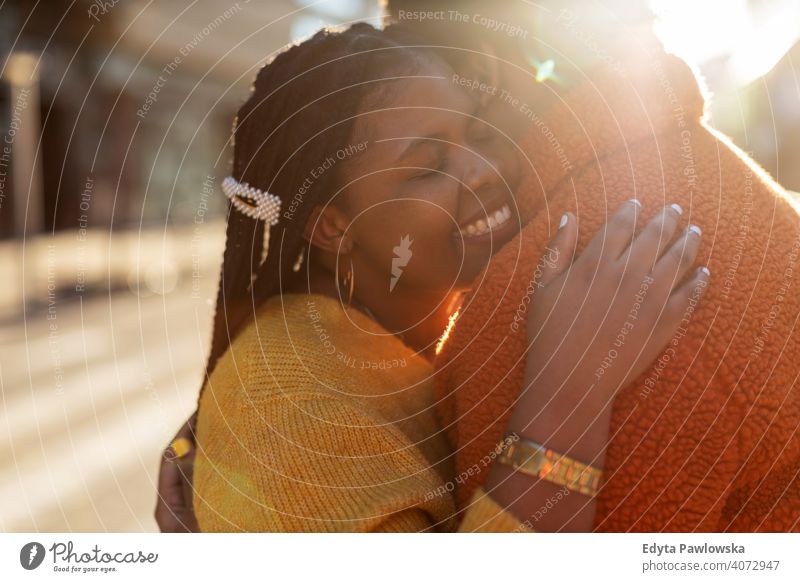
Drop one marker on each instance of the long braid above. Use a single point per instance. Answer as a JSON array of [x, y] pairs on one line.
[[301, 109]]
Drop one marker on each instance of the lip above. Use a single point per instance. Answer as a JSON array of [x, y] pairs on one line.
[[487, 210], [499, 235]]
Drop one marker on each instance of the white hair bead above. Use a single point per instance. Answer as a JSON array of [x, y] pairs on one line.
[[261, 206]]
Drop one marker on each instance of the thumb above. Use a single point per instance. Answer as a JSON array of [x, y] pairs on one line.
[[558, 254]]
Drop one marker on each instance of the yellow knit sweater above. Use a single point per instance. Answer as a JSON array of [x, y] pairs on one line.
[[317, 419]]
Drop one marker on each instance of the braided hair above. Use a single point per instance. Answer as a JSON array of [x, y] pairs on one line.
[[302, 108]]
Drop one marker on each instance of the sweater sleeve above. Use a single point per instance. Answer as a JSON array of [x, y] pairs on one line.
[[314, 462], [484, 515]]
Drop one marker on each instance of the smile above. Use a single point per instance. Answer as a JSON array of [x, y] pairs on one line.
[[494, 221]]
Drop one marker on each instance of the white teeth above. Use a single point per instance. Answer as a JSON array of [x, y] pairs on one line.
[[491, 222]]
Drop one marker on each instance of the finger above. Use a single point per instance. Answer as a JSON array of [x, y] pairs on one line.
[[180, 447], [679, 307], [679, 258], [559, 253], [617, 233], [654, 238], [170, 495], [174, 511], [186, 470], [186, 467], [173, 506], [683, 299]]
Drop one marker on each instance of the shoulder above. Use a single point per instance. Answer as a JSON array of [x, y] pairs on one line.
[[299, 324], [310, 345]]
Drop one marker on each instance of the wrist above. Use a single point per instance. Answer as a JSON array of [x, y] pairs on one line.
[[581, 432], [537, 503]]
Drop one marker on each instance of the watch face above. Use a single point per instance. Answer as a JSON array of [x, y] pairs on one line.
[[532, 458]]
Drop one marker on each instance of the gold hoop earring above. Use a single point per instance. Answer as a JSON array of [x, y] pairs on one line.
[[349, 283], [298, 264]]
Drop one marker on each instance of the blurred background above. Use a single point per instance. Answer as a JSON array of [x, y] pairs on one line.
[[115, 117]]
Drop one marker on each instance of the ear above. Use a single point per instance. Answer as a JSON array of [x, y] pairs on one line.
[[483, 65], [326, 229]]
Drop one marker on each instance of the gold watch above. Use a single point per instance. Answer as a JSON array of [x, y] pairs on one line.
[[534, 459]]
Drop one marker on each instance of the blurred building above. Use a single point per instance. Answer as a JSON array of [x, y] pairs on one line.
[[133, 102]]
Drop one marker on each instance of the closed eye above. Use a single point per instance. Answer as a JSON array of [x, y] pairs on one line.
[[430, 172]]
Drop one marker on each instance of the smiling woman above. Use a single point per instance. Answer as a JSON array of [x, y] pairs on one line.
[[370, 145]]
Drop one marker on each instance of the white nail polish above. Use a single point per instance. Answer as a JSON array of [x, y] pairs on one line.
[[676, 208], [696, 229], [705, 271], [636, 202], [564, 221]]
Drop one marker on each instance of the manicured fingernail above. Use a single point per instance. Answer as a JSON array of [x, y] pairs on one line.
[[696, 229], [181, 446], [636, 202], [676, 208], [564, 221], [705, 271]]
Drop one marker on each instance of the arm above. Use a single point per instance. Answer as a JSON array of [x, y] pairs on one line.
[[596, 325]]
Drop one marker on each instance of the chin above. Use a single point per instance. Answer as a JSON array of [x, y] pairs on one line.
[[468, 274]]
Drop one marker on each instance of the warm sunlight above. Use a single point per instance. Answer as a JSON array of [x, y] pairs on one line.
[[750, 36]]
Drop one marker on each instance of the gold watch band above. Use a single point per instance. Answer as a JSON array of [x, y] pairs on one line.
[[534, 459]]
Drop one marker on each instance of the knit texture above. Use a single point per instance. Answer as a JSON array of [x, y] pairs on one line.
[[316, 419], [707, 439]]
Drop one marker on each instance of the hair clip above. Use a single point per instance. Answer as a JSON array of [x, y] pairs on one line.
[[251, 201]]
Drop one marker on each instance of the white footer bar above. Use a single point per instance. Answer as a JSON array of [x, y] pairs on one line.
[[400, 557]]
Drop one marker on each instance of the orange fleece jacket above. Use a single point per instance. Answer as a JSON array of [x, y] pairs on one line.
[[707, 439]]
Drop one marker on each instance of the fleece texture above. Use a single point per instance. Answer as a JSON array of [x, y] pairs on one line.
[[708, 438]]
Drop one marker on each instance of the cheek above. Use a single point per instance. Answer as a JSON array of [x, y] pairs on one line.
[[429, 221], [421, 219], [429, 226]]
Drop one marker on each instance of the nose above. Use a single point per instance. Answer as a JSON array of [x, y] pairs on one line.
[[480, 176]]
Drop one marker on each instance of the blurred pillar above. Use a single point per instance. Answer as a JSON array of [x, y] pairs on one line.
[[24, 134]]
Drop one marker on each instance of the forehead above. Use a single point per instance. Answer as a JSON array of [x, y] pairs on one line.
[[426, 103]]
